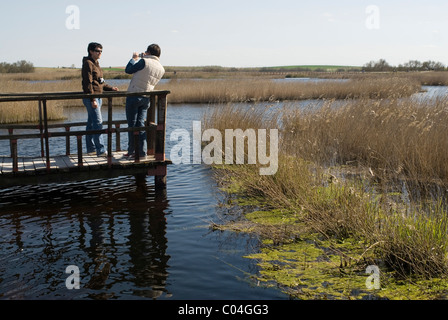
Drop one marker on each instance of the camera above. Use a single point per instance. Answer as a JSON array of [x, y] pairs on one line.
[[101, 80], [141, 55]]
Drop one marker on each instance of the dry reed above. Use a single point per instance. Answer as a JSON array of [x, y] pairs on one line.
[[205, 91], [256, 90], [27, 111], [371, 132], [395, 138]]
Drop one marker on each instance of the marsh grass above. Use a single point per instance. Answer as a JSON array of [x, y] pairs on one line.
[[394, 138], [42, 74], [219, 91], [27, 111], [257, 90], [388, 136]]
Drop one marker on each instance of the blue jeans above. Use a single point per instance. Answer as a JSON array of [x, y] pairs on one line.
[[136, 111], [94, 142]]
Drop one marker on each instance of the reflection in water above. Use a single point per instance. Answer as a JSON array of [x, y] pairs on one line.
[[116, 231], [113, 230]]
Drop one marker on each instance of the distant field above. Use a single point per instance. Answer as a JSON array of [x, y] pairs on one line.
[[216, 68], [186, 72], [312, 68]]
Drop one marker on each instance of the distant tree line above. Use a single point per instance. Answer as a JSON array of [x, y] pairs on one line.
[[17, 67], [411, 65]]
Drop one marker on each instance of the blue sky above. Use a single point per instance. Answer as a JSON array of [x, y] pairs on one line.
[[244, 33]]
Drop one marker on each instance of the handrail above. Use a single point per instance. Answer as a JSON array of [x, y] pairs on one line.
[[52, 125], [36, 96], [155, 128]]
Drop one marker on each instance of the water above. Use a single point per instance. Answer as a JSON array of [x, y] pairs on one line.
[[432, 93], [129, 240]]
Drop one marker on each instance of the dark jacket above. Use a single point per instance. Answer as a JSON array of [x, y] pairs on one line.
[[91, 75]]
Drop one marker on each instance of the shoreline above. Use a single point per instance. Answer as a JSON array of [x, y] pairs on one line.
[[305, 263]]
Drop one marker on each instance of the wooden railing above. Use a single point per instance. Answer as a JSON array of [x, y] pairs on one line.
[[155, 126]]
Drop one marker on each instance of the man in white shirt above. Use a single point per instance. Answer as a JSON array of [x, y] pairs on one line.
[[147, 72]]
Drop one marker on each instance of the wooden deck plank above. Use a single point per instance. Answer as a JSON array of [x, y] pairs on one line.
[[20, 164], [90, 162], [7, 165], [69, 164], [73, 159], [53, 164], [28, 164], [60, 163], [39, 164]]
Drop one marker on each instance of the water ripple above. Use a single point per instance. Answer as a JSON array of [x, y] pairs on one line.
[[128, 239]]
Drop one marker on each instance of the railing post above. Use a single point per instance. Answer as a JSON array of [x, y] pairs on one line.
[[41, 129], [11, 132], [67, 142], [117, 138], [46, 134], [79, 142], [14, 155], [136, 137], [109, 133], [151, 133], [161, 126]]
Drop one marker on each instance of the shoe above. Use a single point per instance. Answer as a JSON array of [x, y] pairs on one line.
[[128, 155], [91, 153], [132, 157], [104, 154]]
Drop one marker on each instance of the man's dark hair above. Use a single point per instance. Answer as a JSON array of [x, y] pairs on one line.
[[93, 46], [154, 50]]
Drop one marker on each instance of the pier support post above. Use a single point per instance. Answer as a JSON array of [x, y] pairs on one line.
[[159, 172]]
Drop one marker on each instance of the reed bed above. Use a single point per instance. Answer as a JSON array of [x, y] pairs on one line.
[[429, 78], [256, 90], [210, 91], [394, 138], [405, 137], [27, 111], [42, 74]]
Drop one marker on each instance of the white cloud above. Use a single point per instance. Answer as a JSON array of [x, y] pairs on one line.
[[329, 16], [142, 14]]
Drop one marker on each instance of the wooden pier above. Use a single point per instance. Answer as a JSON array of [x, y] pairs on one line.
[[45, 167]]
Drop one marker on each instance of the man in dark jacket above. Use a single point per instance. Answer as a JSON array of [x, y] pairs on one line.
[[93, 82]]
